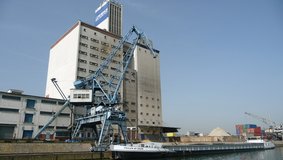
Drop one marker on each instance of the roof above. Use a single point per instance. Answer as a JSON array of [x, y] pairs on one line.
[[27, 95], [85, 25]]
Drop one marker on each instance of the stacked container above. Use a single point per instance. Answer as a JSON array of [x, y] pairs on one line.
[[248, 130]]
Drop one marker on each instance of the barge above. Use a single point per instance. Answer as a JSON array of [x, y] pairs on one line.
[[159, 150]]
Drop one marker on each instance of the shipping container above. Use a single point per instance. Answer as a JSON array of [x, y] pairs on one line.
[[250, 130]]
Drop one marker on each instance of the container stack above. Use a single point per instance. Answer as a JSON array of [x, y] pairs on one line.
[[248, 130]]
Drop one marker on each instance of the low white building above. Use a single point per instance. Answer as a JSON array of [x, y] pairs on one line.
[[21, 116]]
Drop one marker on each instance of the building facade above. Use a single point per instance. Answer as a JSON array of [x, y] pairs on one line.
[[21, 116]]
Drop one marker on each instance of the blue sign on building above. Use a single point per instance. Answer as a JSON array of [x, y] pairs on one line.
[[101, 14]]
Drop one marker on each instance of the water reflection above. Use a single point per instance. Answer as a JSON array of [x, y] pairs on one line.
[[274, 154]]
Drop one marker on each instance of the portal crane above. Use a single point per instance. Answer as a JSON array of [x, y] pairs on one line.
[[103, 96]]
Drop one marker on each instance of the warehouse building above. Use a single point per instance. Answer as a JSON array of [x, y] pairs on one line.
[[21, 116]]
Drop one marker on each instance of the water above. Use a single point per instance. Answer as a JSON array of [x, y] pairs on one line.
[[274, 154]]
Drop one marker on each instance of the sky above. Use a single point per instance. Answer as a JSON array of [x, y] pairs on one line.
[[218, 58]]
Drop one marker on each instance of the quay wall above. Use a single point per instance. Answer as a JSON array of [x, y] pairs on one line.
[[49, 151], [278, 143]]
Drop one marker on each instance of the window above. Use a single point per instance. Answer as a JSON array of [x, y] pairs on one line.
[[105, 44], [81, 96], [147, 105], [147, 122], [157, 99], [105, 74], [146, 97], [133, 111], [133, 120], [11, 97], [147, 114], [153, 114], [84, 37], [82, 61], [152, 98], [94, 33], [28, 118], [158, 107], [141, 97], [103, 51], [82, 52], [82, 69], [30, 103], [9, 110], [133, 103], [27, 134], [93, 64], [153, 122], [94, 48], [141, 122], [91, 71], [94, 55], [152, 106], [83, 44], [158, 115], [48, 102], [141, 113], [141, 105], [46, 113], [94, 40]]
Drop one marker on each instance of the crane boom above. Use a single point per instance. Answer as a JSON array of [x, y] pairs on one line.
[[262, 119]]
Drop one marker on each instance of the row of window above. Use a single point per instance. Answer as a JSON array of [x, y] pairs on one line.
[[158, 107], [132, 103], [97, 49], [92, 39], [95, 64], [94, 33], [102, 43], [96, 56], [148, 114], [132, 111], [85, 62], [147, 122], [141, 97]]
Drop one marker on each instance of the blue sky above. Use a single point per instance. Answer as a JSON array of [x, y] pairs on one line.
[[219, 58]]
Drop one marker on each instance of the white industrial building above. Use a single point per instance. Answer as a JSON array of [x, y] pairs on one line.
[[80, 51]]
